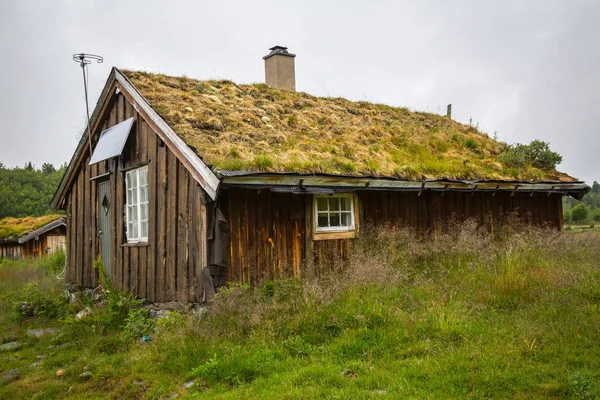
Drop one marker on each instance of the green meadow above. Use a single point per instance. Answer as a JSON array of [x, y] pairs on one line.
[[452, 316]]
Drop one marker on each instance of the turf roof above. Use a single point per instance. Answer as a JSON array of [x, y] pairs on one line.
[[14, 228], [259, 128]]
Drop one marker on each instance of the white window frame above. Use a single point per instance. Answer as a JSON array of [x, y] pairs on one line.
[[136, 217], [334, 229]]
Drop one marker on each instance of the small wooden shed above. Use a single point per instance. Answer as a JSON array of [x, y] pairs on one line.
[[194, 183], [32, 236]]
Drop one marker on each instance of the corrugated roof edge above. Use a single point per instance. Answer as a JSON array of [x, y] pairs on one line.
[[352, 183]]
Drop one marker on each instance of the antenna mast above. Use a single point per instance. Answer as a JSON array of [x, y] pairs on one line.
[[84, 60]]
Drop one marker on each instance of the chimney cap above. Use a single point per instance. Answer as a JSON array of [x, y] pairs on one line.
[[278, 50]]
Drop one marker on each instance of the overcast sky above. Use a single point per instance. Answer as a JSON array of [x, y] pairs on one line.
[[524, 69]]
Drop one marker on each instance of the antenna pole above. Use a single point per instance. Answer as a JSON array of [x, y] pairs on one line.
[[84, 60]]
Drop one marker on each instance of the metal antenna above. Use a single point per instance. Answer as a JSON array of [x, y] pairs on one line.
[[84, 60]]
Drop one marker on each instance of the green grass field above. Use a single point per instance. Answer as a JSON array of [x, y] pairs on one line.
[[462, 315]]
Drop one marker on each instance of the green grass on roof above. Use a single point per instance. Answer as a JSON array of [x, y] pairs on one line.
[[259, 128], [16, 227]]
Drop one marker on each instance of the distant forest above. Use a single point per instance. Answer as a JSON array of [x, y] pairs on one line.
[[586, 211], [27, 191]]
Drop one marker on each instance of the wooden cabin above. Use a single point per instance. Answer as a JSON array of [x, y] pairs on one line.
[[192, 184], [31, 237]]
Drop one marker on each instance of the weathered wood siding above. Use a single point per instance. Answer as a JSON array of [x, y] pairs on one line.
[[267, 230], [48, 243], [12, 251], [168, 266]]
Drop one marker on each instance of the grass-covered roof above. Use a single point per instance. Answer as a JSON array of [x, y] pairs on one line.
[[259, 128], [14, 228]]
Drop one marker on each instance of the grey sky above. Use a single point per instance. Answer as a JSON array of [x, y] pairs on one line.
[[523, 69]]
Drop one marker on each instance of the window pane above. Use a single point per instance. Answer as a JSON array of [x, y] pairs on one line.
[[144, 210], [334, 204], [345, 204], [321, 204], [322, 220], [128, 180], [134, 198], [334, 219], [346, 219], [130, 229], [143, 176], [144, 225]]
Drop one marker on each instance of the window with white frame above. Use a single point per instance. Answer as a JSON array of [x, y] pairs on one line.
[[334, 213], [136, 186]]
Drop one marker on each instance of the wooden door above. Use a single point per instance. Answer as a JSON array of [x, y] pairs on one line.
[[104, 204]]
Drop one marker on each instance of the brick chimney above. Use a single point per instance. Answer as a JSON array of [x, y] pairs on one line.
[[280, 72]]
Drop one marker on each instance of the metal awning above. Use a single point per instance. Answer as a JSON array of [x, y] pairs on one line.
[[112, 141]]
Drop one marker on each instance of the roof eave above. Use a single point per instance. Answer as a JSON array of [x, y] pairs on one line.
[[40, 231], [338, 182]]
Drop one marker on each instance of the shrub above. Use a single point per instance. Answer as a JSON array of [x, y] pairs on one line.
[[568, 216], [536, 154], [115, 313], [35, 302], [580, 213], [138, 323], [470, 143]]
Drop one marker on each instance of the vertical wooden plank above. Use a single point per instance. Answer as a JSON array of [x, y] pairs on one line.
[[309, 243], [80, 237], [234, 244], [94, 226], [183, 224], [251, 245], [161, 221], [87, 231], [171, 273], [131, 270], [244, 250], [71, 224], [193, 227], [202, 239], [142, 129], [151, 251]]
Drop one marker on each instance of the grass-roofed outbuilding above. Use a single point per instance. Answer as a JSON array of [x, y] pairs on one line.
[[31, 236]]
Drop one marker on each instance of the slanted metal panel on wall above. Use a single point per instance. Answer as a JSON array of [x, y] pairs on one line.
[[112, 141]]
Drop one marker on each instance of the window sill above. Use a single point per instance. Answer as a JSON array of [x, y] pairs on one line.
[[136, 244], [335, 235]]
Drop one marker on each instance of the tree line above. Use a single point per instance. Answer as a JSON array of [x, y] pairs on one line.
[[28, 191], [586, 211]]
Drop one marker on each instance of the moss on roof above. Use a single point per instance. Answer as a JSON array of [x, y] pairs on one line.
[[14, 228], [259, 128]]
